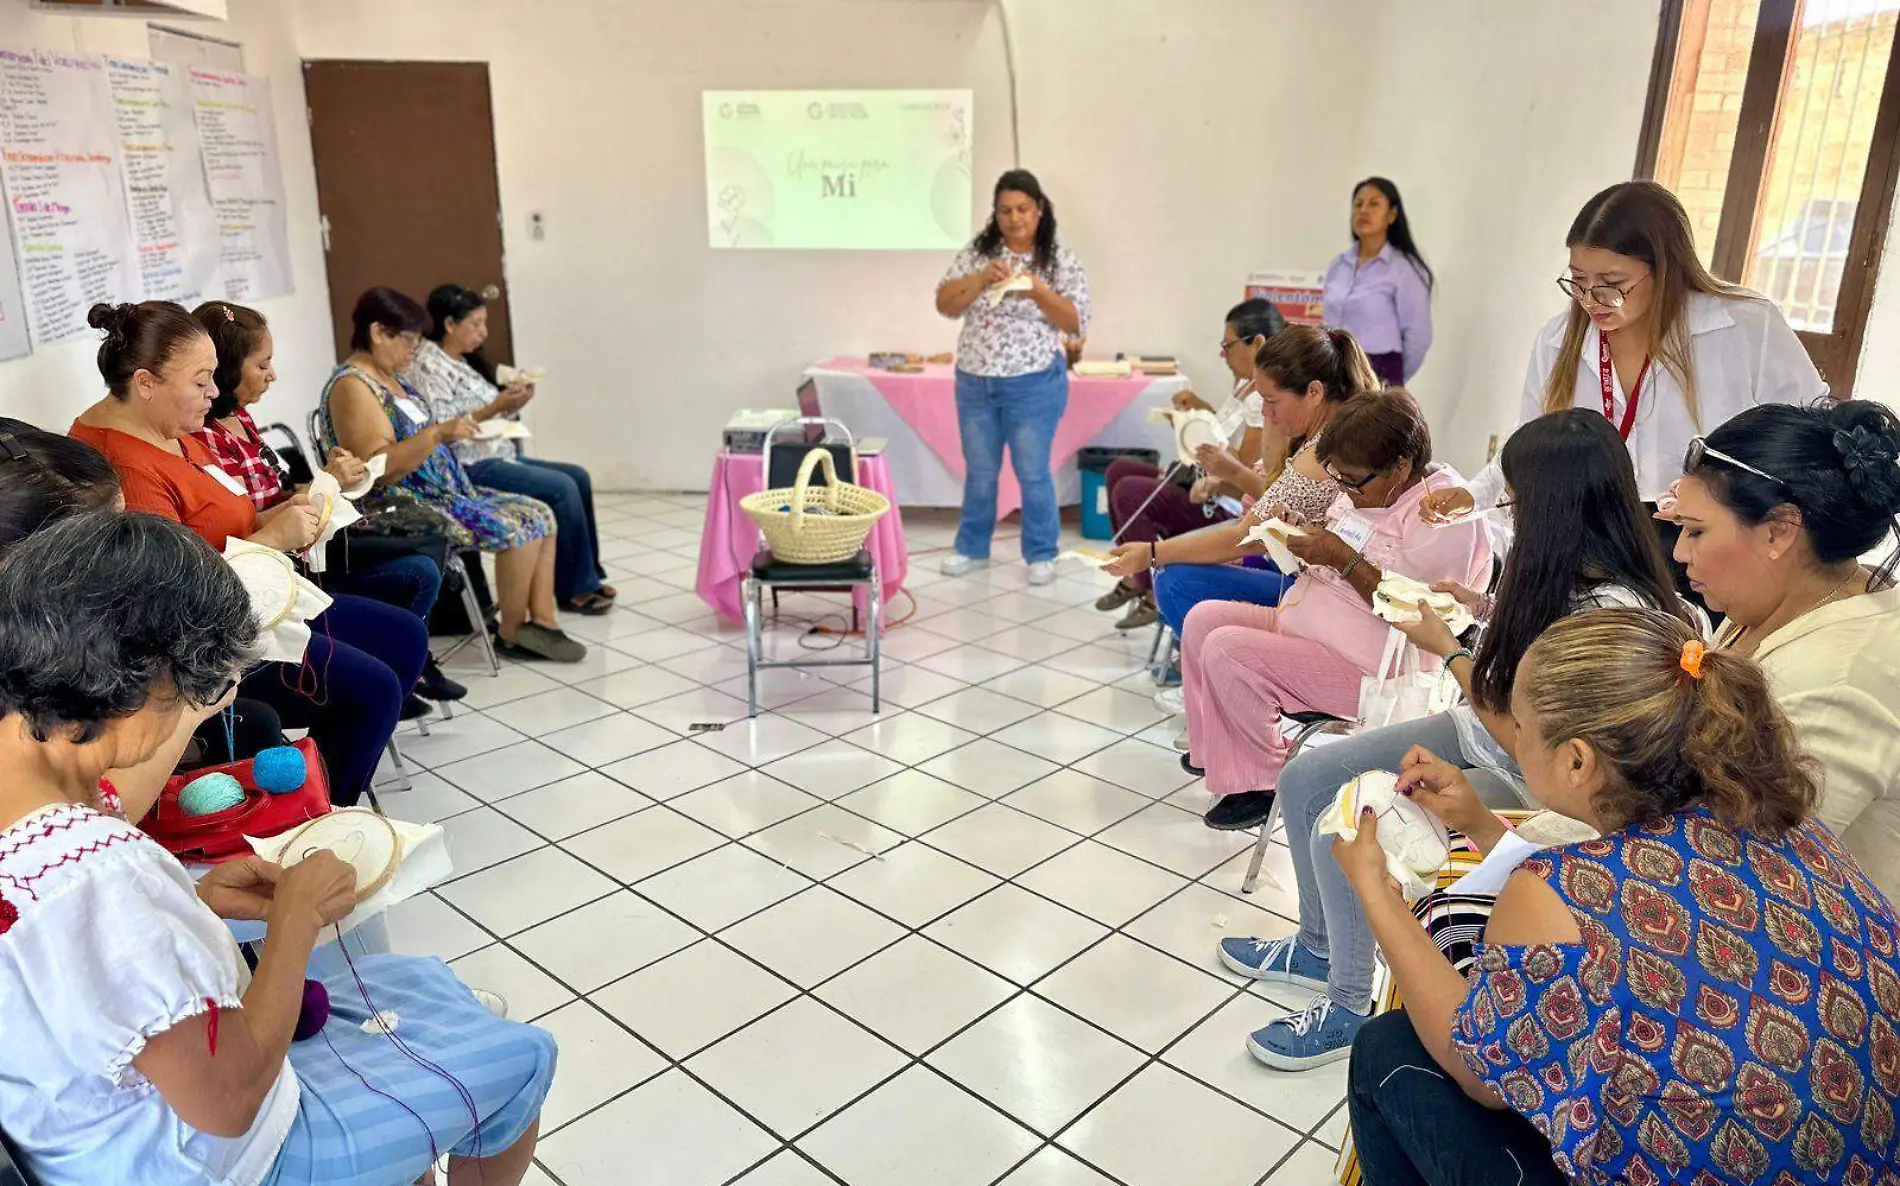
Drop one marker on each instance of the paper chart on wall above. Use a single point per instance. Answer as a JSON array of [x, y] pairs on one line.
[[174, 228], [59, 161], [14, 341], [239, 137]]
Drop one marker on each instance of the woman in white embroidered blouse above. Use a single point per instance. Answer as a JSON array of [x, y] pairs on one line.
[[450, 372], [136, 1051], [1776, 509], [1018, 291]]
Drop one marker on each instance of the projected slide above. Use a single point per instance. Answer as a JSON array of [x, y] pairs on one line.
[[813, 170]]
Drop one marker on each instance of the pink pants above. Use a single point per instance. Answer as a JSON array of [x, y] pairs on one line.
[[1239, 674]]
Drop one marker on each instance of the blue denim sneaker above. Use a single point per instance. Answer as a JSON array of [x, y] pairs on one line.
[[1320, 1034], [1281, 961]]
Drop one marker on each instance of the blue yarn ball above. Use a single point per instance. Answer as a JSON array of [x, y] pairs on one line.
[[209, 793], [279, 770]]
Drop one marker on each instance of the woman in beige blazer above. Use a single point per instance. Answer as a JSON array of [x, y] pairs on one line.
[[1778, 507]]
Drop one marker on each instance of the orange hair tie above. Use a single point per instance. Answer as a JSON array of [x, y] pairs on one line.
[[1692, 652]]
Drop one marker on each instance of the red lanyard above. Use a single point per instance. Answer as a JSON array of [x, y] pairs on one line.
[[1609, 389]]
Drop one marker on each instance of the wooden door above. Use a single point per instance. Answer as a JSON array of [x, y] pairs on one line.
[[405, 158]]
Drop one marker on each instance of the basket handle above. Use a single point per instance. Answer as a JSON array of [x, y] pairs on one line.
[[802, 483]]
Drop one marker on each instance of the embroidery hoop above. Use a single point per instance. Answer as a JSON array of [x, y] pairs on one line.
[[375, 854], [290, 574], [1193, 429]]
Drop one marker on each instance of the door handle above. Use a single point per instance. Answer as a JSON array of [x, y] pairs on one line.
[[491, 293]]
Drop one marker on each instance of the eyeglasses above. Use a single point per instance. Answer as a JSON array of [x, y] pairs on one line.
[[1353, 484], [1699, 452], [1227, 345], [1607, 295]]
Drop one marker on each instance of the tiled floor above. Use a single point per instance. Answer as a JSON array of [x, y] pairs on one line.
[[968, 941]]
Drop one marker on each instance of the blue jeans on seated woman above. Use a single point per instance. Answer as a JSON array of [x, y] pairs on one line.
[[363, 659], [1022, 412], [1181, 587], [569, 492], [406, 582]]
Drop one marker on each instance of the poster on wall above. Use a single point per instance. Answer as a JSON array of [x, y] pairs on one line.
[[174, 228], [59, 162], [14, 341], [238, 133], [1300, 296]]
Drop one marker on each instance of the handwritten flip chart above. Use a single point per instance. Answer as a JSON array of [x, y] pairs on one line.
[[59, 162], [174, 227], [239, 139]]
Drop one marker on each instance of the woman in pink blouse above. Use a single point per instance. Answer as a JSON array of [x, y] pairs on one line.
[[1245, 665]]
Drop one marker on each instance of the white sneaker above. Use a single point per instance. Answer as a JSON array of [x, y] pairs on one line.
[[1042, 572], [1181, 741], [956, 564], [1172, 701], [494, 1002]]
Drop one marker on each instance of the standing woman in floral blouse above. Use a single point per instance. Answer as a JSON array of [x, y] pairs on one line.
[[1012, 374]]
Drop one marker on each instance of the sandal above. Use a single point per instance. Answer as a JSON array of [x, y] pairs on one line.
[[591, 604]]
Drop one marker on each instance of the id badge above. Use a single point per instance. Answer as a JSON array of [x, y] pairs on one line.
[[226, 480], [1355, 529], [413, 410]]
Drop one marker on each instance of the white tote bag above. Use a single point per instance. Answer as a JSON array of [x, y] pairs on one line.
[[1399, 691]]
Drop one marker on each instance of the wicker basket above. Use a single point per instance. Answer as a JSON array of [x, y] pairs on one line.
[[800, 538]]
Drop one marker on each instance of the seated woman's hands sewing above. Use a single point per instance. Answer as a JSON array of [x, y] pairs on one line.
[[252, 889], [347, 468], [1442, 789], [290, 526]]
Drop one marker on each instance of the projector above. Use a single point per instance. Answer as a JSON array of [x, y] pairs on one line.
[[745, 432]]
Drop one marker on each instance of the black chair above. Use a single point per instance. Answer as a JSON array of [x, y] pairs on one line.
[[13, 1171], [768, 572]]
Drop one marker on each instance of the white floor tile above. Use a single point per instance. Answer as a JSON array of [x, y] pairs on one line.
[[545, 712], [1190, 925], [1139, 766], [1030, 642], [640, 685], [1164, 1129], [912, 802], [913, 884], [668, 642], [915, 641], [673, 770], [529, 991], [484, 837], [744, 804], [1077, 801], [1310, 1163], [1114, 708], [609, 739], [510, 770], [1098, 664], [1052, 1167], [643, 844], [762, 740], [599, 1060], [1040, 685], [561, 809], [909, 738], [824, 841], [1000, 839], [910, 686], [1037, 1063], [978, 710], [469, 734], [430, 799], [426, 925], [714, 891], [1058, 738], [1174, 839], [787, 1169], [1015, 933], [919, 1130], [672, 1130], [693, 998], [678, 713], [601, 659], [519, 893], [972, 665], [797, 1065], [1135, 992], [514, 682], [828, 707], [1106, 885], [604, 940], [1216, 1054], [832, 769], [915, 993], [812, 936], [988, 768]]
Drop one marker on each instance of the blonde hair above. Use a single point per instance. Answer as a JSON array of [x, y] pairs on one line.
[[1616, 678], [1644, 221]]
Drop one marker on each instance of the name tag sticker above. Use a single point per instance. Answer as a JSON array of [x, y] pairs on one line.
[[225, 480], [1355, 529], [412, 410]]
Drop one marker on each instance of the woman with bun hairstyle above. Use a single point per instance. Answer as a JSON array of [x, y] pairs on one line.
[[364, 657], [1653, 341], [1707, 992], [1776, 509]]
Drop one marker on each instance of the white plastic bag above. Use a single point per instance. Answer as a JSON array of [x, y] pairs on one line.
[[1399, 691]]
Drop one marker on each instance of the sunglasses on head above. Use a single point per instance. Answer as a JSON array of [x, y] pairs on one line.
[[1699, 451]]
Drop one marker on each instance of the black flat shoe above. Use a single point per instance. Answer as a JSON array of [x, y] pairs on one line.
[[1187, 764], [415, 707], [434, 684], [1240, 812]]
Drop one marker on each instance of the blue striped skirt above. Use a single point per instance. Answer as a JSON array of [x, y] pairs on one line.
[[345, 1132]]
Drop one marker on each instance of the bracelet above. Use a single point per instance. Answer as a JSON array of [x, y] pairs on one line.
[[1154, 557], [1347, 571], [1466, 652]]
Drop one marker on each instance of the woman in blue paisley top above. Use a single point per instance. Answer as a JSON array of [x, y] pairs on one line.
[[1709, 993]]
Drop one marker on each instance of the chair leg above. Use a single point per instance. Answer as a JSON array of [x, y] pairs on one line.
[[750, 593], [422, 726], [402, 772], [1260, 851], [873, 637], [473, 608]]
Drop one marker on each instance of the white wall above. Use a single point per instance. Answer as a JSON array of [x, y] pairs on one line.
[[55, 383], [1185, 142]]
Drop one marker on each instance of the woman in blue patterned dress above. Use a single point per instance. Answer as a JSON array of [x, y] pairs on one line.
[[368, 410], [1708, 993]]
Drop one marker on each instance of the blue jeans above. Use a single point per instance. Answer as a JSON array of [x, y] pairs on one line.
[[1181, 587], [569, 492], [1332, 922], [1022, 412], [406, 582]]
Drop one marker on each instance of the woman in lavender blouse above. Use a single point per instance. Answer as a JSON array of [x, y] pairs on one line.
[[1380, 288]]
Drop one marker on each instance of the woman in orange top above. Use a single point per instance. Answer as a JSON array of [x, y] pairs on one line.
[[364, 657]]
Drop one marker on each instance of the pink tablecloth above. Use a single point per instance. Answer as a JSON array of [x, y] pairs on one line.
[[927, 401], [729, 539]]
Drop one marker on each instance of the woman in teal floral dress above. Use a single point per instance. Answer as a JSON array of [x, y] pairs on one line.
[[369, 411]]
